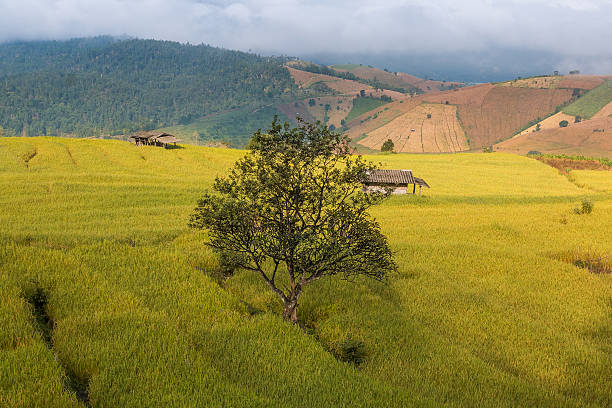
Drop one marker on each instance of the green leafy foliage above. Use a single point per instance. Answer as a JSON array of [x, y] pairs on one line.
[[586, 207], [106, 86], [362, 105], [234, 128], [387, 146], [293, 206], [592, 102]]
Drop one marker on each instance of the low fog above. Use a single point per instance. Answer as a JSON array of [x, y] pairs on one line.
[[477, 35]]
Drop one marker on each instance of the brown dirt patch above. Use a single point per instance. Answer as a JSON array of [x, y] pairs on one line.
[[339, 107], [343, 86], [400, 79], [564, 164], [293, 111], [590, 138], [587, 82], [366, 123], [605, 112], [414, 132], [492, 113], [551, 122]]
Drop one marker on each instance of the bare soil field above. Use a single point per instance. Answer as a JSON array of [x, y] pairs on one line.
[[591, 138], [492, 113], [551, 122], [605, 112], [564, 164], [343, 86], [398, 79], [366, 123], [415, 132], [339, 107], [304, 79], [587, 82], [295, 109]]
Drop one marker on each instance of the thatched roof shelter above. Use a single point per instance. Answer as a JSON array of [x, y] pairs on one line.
[[397, 180], [154, 138]]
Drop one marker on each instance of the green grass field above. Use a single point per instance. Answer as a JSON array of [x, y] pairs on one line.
[[480, 313], [362, 105], [234, 127], [346, 66], [592, 101]]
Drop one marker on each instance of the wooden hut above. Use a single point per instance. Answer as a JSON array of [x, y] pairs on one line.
[[398, 180], [154, 139]]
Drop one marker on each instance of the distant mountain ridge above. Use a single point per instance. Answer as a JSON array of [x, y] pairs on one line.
[[112, 87], [98, 86]]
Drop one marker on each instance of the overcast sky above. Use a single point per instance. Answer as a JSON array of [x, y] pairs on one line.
[[575, 30]]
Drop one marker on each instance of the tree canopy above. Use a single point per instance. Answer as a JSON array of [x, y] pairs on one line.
[[388, 146], [293, 211], [103, 86]]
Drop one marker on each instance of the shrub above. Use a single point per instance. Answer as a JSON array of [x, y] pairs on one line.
[[534, 153], [229, 262], [429, 116], [591, 260], [351, 351], [563, 123], [388, 146], [586, 207]]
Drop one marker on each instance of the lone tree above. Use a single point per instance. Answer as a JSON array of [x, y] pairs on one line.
[[388, 146], [292, 211]]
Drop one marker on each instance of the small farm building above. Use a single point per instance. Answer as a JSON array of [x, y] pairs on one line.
[[154, 139], [398, 180]]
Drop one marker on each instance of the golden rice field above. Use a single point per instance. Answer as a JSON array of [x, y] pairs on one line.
[[480, 313]]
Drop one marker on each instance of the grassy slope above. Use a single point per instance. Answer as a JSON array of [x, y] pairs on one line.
[[363, 105], [234, 127], [478, 315], [592, 102]]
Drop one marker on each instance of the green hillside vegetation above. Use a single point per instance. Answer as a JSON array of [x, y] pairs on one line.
[[234, 127], [362, 105], [592, 101], [348, 67], [104, 285], [105, 86]]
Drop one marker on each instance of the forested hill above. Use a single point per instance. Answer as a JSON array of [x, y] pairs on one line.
[[103, 85]]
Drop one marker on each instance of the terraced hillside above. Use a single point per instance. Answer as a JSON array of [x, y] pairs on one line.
[[589, 137], [398, 80], [492, 113], [109, 300], [426, 128], [306, 79], [592, 102]]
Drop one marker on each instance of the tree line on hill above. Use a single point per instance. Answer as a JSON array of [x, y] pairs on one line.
[[103, 85]]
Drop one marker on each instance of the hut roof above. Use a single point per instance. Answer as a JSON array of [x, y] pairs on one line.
[[421, 182], [161, 137], [393, 177], [166, 138]]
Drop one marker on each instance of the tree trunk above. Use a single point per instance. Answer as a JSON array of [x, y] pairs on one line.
[[290, 310]]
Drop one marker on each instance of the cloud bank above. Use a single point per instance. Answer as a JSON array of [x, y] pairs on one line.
[[576, 30]]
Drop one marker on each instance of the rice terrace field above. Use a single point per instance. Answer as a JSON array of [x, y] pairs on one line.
[[108, 299]]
